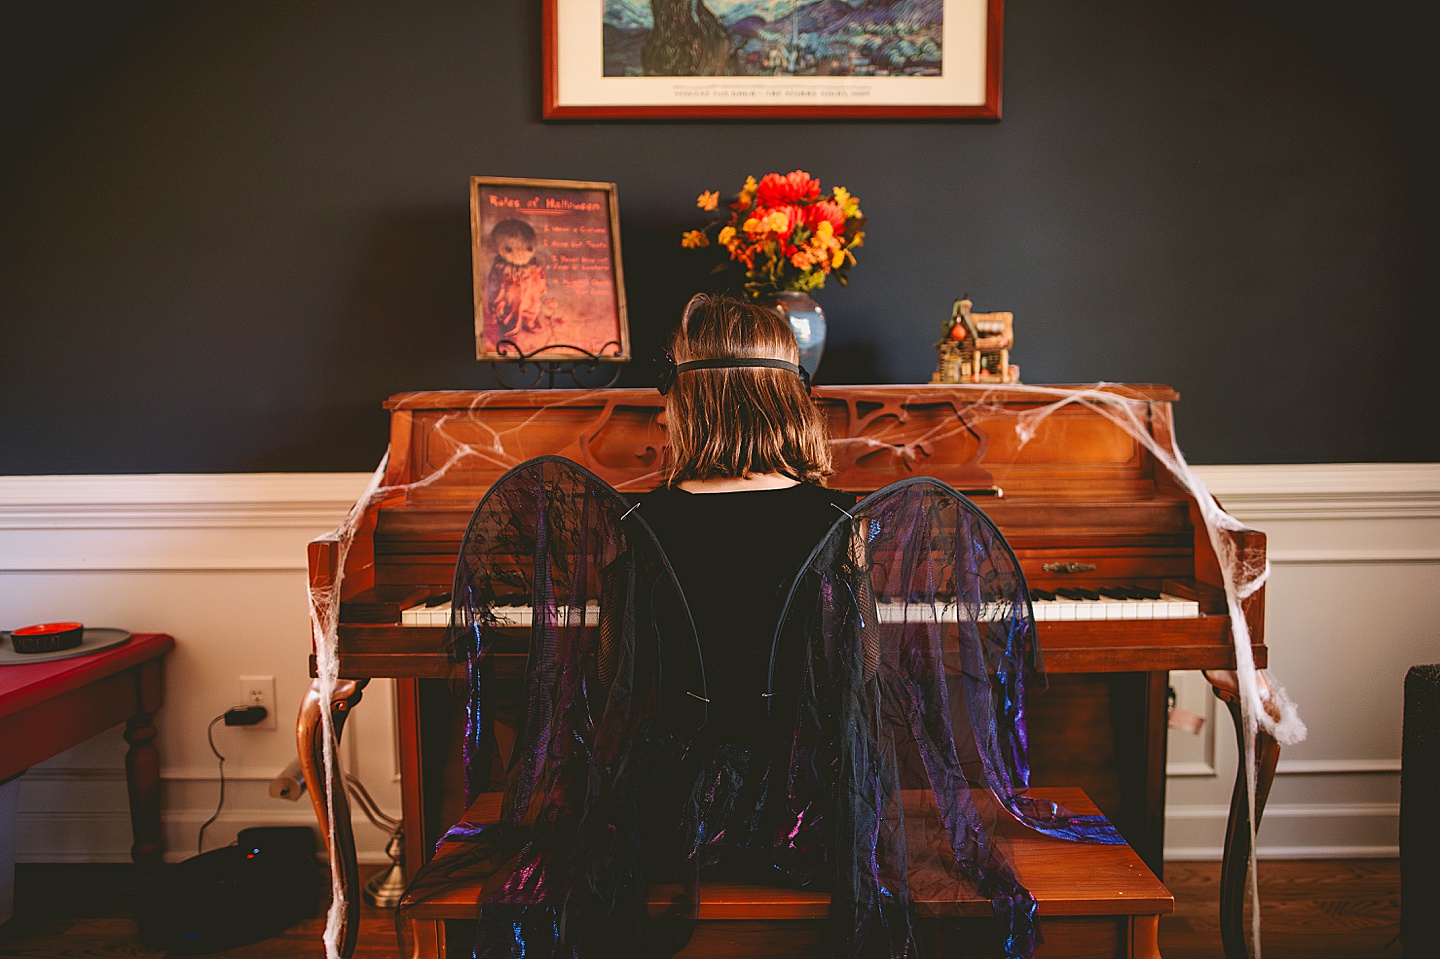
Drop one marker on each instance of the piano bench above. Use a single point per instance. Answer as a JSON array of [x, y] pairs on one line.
[[1094, 901]]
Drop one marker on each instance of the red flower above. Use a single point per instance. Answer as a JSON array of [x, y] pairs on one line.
[[825, 210], [775, 190]]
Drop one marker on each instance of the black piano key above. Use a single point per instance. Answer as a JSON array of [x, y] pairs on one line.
[[1044, 594], [1114, 592], [1070, 592], [440, 600], [1087, 593], [1146, 593]]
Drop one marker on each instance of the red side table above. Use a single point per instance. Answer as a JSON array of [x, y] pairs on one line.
[[45, 708]]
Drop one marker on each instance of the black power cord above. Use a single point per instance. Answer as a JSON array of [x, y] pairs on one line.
[[235, 716]]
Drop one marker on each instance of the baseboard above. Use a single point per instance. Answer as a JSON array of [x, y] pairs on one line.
[[1265, 852], [106, 836], [1290, 831]]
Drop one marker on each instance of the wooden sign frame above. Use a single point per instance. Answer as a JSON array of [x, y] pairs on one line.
[[548, 280]]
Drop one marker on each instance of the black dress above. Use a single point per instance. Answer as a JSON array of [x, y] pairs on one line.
[[735, 555]]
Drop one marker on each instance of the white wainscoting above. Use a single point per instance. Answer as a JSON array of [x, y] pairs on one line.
[[1353, 601], [218, 561]]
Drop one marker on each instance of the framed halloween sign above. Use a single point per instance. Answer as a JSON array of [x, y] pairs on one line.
[[547, 275]]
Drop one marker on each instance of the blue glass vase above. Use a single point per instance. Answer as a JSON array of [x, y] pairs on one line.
[[807, 321]]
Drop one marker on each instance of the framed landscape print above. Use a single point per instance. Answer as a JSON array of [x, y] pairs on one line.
[[546, 261], [793, 59]]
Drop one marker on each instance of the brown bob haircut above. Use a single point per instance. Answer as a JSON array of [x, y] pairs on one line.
[[739, 422]]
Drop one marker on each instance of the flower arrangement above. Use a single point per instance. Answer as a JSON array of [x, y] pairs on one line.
[[784, 232]]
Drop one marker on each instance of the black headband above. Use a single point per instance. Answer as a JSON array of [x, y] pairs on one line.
[[669, 368]]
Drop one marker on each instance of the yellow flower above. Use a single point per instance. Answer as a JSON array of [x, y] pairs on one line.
[[824, 231], [751, 225], [750, 186], [708, 200], [726, 235], [779, 221], [848, 204], [694, 239], [837, 259]]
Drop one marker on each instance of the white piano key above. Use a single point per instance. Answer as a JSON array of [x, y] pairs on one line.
[[426, 615]]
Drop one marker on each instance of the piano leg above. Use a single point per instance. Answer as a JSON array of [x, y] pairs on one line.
[[310, 743], [1236, 863]]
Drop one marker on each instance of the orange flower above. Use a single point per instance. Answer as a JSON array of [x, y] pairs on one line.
[[783, 231]]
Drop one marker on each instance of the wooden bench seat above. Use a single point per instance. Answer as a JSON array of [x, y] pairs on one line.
[[1094, 901]]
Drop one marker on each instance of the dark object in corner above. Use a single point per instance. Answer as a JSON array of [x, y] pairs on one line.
[[265, 883], [1419, 794]]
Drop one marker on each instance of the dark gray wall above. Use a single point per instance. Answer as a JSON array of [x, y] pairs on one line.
[[228, 231]]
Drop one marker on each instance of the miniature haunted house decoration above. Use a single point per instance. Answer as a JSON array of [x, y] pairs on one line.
[[976, 347]]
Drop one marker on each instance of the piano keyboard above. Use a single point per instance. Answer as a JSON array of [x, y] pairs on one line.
[[439, 615], [1057, 610]]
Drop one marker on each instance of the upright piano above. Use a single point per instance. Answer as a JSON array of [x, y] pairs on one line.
[[1127, 582]]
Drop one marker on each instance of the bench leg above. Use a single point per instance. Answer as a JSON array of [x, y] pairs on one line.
[[310, 743], [428, 937], [1144, 937]]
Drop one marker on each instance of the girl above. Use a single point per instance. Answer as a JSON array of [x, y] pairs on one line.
[[745, 501]]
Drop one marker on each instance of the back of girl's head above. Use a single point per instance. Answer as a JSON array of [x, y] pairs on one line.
[[739, 422]]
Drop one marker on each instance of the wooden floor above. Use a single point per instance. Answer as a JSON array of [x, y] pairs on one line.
[[1313, 909]]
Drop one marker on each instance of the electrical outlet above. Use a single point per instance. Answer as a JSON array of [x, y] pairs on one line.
[[259, 691]]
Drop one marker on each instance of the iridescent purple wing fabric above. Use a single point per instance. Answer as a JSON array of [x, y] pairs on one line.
[[559, 586], [902, 664], [893, 764]]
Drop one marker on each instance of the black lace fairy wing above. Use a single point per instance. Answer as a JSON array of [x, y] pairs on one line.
[[903, 661], [555, 544]]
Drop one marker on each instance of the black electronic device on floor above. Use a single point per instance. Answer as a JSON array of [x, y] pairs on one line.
[[265, 883]]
